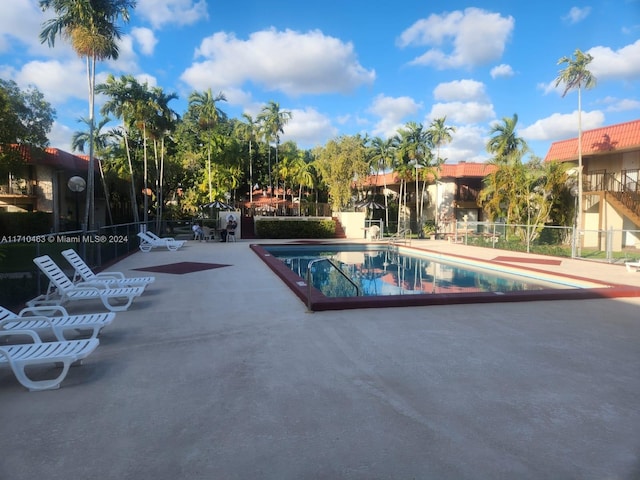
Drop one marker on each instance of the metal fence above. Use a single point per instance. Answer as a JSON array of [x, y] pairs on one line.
[[21, 280]]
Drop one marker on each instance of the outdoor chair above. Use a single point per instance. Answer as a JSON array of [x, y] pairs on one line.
[[632, 266], [61, 290], [38, 353], [208, 234], [149, 240], [374, 232], [42, 321], [112, 279]]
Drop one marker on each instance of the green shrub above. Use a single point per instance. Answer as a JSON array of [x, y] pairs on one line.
[[296, 229], [28, 223]]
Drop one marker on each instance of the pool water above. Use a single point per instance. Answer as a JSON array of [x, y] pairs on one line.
[[382, 271]]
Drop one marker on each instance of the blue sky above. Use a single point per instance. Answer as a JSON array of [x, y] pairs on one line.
[[356, 66]]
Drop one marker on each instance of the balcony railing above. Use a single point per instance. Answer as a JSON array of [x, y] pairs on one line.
[[17, 187]]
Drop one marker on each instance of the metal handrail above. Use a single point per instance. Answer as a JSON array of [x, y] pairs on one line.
[[310, 280], [396, 236]]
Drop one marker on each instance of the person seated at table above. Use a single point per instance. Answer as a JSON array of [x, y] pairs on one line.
[[198, 233]]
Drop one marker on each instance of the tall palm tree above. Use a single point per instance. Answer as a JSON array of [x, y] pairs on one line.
[[162, 124], [273, 121], [575, 76], [439, 134], [383, 154], [504, 143], [81, 138], [204, 105], [124, 94], [413, 154], [248, 131], [92, 29], [303, 176]]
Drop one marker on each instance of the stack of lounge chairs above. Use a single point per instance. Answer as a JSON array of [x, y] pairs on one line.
[[46, 316]]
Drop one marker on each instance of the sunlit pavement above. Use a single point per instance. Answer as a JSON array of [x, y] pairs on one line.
[[222, 374]]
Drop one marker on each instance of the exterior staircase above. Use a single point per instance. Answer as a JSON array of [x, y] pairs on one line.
[[339, 229], [626, 204]]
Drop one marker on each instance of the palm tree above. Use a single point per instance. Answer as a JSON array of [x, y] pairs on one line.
[[505, 143], [413, 153], [247, 131], [303, 175], [100, 141], [383, 154], [91, 28], [439, 134], [273, 121], [124, 94], [576, 75], [204, 105], [161, 125]]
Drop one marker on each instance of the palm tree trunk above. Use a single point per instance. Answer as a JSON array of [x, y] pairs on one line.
[[134, 202], [146, 179], [160, 189], [106, 192], [89, 214], [580, 186]]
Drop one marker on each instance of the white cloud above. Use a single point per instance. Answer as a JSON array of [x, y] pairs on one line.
[[19, 20], [58, 81], [475, 37], [20, 25], [621, 64], [463, 112], [391, 111], [624, 105], [127, 60], [577, 14], [60, 137], [291, 62], [308, 128], [561, 126], [468, 144], [460, 90], [502, 71], [145, 38], [177, 12]]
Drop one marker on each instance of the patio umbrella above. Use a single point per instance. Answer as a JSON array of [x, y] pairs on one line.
[[370, 204], [217, 205]]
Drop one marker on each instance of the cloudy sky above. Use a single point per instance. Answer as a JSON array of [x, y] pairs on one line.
[[356, 66]]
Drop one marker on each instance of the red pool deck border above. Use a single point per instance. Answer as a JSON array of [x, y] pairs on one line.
[[317, 301]]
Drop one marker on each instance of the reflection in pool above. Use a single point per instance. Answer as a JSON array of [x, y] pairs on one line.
[[385, 271], [420, 278]]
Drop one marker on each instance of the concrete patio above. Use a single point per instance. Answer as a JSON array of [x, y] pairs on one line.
[[222, 374]]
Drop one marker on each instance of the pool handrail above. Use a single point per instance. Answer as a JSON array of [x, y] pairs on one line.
[[403, 235], [310, 280]]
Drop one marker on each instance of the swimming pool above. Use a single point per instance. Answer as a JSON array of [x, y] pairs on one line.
[[381, 271], [420, 277]]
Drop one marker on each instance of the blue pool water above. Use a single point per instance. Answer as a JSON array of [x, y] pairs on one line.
[[383, 270]]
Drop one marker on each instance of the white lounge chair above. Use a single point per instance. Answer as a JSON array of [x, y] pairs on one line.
[[632, 266], [61, 290], [21, 356], [112, 279], [40, 320], [149, 240]]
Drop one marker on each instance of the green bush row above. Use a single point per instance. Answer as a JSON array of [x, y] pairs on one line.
[[296, 229], [28, 223]]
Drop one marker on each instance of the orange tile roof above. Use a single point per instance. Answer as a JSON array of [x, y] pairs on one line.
[[620, 137], [54, 157], [448, 170]]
